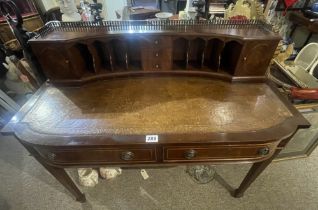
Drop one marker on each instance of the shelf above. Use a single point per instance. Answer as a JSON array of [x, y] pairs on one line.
[[180, 53]]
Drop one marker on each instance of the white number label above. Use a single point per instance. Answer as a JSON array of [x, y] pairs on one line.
[[152, 138]]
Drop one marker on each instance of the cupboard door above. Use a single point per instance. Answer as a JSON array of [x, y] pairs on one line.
[[255, 58], [61, 61], [54, 62]]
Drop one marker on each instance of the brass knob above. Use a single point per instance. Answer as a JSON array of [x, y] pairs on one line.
[[157, 54], [51, 156], [263, 151], [67, 61], [127, 155], [190, 154], [157, 66]]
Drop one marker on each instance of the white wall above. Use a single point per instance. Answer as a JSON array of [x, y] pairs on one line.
[[47, 4], [110, 6]]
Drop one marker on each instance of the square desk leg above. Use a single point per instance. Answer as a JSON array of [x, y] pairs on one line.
[[253, 173], [60, 174]]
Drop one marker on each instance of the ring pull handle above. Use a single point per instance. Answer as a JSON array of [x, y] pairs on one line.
[[127, 155], [190, 154], [51, 156], [263, 151]]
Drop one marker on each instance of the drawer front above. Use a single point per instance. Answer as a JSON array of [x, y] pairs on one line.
[[218, 153], [157, 60], [156, 53], [156, 42], [100, 156]]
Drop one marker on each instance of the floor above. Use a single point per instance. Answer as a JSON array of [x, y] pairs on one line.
[[286, 185]]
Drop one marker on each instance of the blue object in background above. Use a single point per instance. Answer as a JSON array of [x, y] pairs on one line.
[[314, 7]]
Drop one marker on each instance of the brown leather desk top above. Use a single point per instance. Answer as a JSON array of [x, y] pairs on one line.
[[185, 106]]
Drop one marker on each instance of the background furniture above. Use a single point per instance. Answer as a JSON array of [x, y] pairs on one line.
[[298, 19], [139, 14], [304, 141], [32, 22]]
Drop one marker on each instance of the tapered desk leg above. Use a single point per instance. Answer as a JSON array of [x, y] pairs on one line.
[[253, 173], [60, 174]]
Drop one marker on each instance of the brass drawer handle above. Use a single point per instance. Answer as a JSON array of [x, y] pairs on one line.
[[190, 154], [51, 156], [263, 151], [127, 155]]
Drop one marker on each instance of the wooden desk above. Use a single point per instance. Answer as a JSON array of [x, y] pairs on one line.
[[197, 120], [200, 86]]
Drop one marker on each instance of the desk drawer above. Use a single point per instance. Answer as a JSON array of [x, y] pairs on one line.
[[156, 60], [156, 42], [219, 152], [100, 156]]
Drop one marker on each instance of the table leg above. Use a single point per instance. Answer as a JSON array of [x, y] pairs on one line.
[[60, 174], [253, 173]]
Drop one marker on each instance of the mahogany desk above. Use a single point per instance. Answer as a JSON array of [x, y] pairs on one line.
[[200, 86], [197, 120]]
